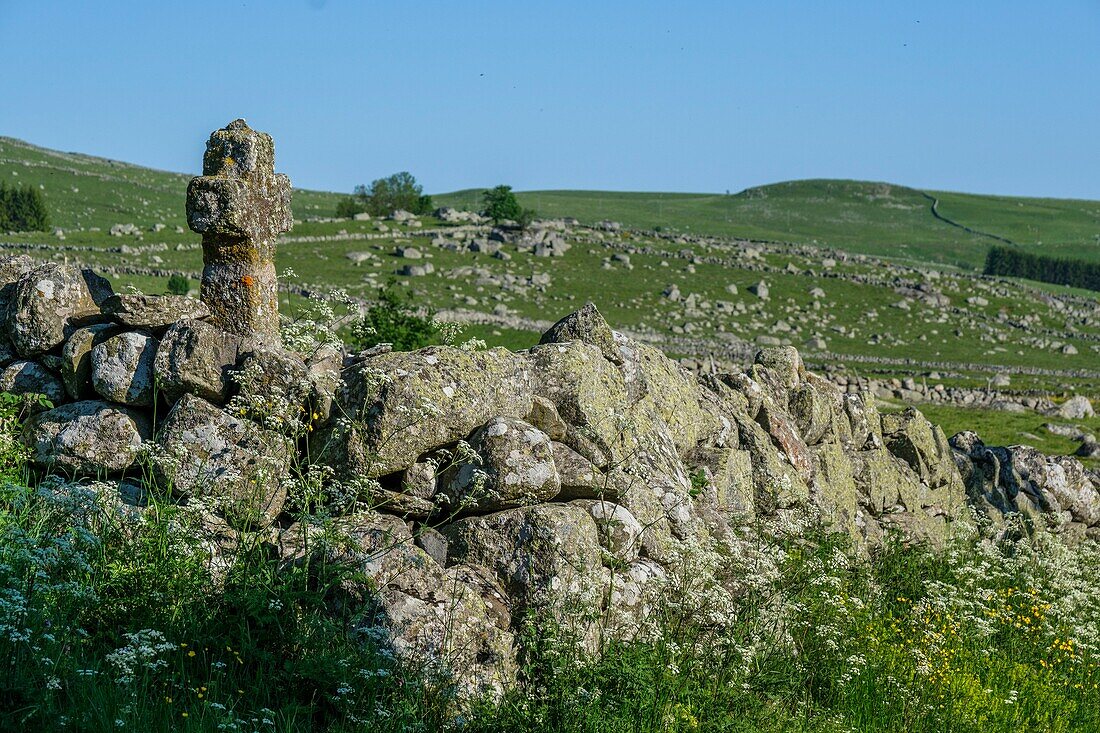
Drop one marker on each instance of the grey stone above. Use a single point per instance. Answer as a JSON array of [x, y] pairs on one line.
[[516, 468], [433, 542], [122, 368], [12, 270], [196, 357], [277, 376], [540, 554], [76, 358], [544, 416], [395, 407], [1089, 448], [1077, 407], [236, 465], [87, 438], [323, 370], [586, 325], [30, 377], [420, 480], [49, 303], [457, 615], [580, 478], [153, 311], [416, 270]]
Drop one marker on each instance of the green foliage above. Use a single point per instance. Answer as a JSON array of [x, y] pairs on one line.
[[394, 319], [424, 205], [385, 196], [1012, 262], [178, 285], [971, 639], [22, 209], [526, 216], [698, 483], [348, 206], [500, 204], [115, 618], [111, 624]]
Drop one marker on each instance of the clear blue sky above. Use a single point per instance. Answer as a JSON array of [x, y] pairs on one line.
[[995, 96]]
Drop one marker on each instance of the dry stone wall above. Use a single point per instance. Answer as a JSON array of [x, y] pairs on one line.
[[473, 488]]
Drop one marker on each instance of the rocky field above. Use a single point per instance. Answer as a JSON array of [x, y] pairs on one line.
[[898, 314]]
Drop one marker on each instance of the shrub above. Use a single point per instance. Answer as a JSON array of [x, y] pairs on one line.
[[178, 285], [394, 319], [349, 206], [526, 216]]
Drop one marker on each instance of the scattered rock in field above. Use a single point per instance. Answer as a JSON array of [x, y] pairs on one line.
[[1077, 407]]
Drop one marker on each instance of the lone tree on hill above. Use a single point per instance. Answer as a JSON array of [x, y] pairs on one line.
[[500, 204], [22, 209], [385, 196]]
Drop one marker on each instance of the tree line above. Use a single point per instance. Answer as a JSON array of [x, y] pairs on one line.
[[22, 209], [1010, 262]]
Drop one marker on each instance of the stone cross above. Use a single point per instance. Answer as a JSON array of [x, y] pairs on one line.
[[240, 205]]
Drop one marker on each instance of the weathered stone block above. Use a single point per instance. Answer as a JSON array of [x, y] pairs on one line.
[[90, 438], [153, 311], [236, 465], [30, 377], [234, 208], [395, 407], [586, 325], [49, 303], [122, 368], [76, 358], [516, 468], [540, 554], [240, 205], [195, 357]]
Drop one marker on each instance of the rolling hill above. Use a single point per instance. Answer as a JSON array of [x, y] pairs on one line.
[[881, 219], [872, 218]]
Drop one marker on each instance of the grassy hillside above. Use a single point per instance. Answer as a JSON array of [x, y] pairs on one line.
[[84, 192], [1065, 227], [872, 218]]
